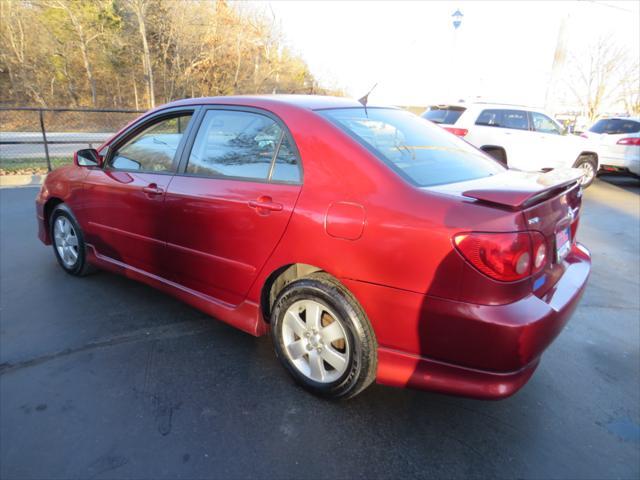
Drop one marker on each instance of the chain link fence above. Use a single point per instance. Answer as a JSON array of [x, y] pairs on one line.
[[37, 140]]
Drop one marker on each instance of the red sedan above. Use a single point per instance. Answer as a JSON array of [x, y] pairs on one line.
[[369, 242]]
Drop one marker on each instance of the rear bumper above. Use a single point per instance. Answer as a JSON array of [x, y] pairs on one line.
[[627, 163], [621, 170], [481, 351]]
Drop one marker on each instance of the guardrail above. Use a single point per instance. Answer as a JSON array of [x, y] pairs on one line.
[[13, 131]]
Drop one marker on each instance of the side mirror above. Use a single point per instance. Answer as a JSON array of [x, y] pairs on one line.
[[87, 158]]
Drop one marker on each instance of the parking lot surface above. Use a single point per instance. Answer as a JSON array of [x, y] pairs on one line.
[[101, 377]]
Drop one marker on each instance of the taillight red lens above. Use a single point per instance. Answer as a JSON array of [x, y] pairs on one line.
[[461, 132], [507, 257], [629, 141]]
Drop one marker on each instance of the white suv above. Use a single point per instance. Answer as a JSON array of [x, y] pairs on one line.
[[520, 137], [618, 144]]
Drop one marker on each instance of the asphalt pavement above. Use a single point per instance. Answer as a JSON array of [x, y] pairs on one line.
[[102, 377]]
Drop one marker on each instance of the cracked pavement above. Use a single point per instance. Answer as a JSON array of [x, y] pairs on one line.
[[102, 377]]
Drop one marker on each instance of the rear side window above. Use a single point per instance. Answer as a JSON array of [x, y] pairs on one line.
[[152, 149], [242, 145], [615, 126], [443, 114], [419, 151], [515, 119]]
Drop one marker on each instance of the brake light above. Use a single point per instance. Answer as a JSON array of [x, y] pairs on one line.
[[507, 257], [629, 141], [461, 132]]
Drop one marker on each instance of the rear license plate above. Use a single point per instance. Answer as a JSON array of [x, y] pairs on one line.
[[563, 243]]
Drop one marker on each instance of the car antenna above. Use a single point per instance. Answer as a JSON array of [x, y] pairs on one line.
[[364, 100]]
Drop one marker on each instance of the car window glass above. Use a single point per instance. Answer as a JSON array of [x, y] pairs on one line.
[[615, 126], [515, 119], [153, 149], [234, 144], [286, 168], [420, 151], [447, 115], [543, 124]]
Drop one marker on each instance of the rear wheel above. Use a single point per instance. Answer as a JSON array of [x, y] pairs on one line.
[[68, 241], [589, 168], [323, 338]]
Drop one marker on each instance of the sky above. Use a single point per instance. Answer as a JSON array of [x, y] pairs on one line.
[[503, 51]]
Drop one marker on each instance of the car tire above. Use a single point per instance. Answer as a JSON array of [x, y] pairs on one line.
[[589, 166], [337, 362], [67, 241]]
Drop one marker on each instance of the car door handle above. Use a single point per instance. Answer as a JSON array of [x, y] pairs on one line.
[[265, 203], [153, 189]]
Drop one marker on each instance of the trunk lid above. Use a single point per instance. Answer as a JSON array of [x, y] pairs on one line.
[[548, 202]]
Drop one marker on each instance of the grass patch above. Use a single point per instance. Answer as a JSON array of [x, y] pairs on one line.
[[31, 166]]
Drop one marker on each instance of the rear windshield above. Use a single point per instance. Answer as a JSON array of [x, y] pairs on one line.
[[439, 114], [421, 152], [615, 126]]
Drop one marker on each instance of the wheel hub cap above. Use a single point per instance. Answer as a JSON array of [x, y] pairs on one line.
[[315, 341], [66, 241]]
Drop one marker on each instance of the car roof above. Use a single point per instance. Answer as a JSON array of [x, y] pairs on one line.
[[506, 106], [308, 102]]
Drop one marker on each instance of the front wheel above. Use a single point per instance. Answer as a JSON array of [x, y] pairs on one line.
[[323, 338], [589, 168], [68, 241]]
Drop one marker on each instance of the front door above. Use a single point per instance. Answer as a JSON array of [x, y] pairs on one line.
[[232, 201], [124, 201], [555, 150]]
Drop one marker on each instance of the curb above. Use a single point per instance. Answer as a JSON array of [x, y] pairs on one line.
[[21, 180]]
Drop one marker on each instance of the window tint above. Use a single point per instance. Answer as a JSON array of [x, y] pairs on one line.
[[422, 152], [286, 167], [543, 124], [615, 126], [516, 119], [153, 149], [238, 144], [448, 115]]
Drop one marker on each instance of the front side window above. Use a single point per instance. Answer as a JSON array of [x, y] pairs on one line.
[[543, 124], [243, 145], [514, 119], [154, 148], [423, 153]]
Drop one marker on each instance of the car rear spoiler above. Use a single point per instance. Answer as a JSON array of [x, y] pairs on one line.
[[518, 195]]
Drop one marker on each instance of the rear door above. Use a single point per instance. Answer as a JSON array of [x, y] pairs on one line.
[[231, 201], [123, 211], [505, 128]]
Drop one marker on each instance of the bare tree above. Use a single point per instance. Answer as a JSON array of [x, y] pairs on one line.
[[595, 75], [139, 8]]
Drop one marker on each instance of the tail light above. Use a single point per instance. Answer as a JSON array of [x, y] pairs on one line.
[[629, 141], [574, 229], [461, 132], [584, 135], [507, 257]]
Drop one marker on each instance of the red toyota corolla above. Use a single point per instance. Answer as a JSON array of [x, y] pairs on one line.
[[369, 242]]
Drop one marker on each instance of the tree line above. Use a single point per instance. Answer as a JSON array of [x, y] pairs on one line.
[[139, 53]]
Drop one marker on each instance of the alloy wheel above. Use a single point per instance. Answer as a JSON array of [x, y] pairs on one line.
[[588, 172], [66, 241], [315, 341]]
